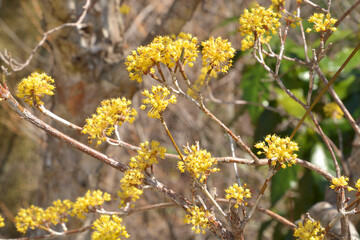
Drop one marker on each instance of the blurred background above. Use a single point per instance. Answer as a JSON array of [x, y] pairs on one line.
[[88, 66]]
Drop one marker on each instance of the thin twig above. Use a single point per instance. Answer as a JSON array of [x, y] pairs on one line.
[[19, 66]]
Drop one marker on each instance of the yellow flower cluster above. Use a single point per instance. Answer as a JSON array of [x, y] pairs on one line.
[[217, 54], [198, 218], [111, 112], [90, 202], [124, 9], [184, 42], [357, 185], [257, 23], [57, 213], [132, 179], [279, 150], [321, 24], [2, 224], [309, 231], [198, 162], [36, 217], [35, 87], [157, 100], [278, 4], [108, 228], [341, 182], [128, 194], [29, 218], [333, 110], [147, 155], [238, 193], [163, 49]]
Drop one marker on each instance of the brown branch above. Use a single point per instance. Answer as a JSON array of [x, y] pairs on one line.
[[16, 66], [216, 226]]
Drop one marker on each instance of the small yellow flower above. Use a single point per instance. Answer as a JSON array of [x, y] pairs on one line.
[[309, 231], [90, 202], [111, 112], [163, 49], [35, 217], [257, 24], [132, 177], [183, 43], [108, 228], [279, 150], [147, 155], [333, 110], [31, 217], [2, 224], [321, 24], [357, 185], [35, 87], [124, 9], [217, 54], [278, 4], [128, 194], [58, 213], [198, 162], [157, 100], [341, 182], [198, 218], [239, 193]]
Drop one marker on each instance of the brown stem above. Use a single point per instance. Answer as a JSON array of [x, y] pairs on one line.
[[357, 130]]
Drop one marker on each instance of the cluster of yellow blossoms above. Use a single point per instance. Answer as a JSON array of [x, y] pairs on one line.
[[36, 217], [108, 228], [90, 202], [239, 193], [279, 150], [278, 4], [341, 182], [309, 230], [147, 155], [217, 54], [198, 162], [333, 110], [111, 112], [124, 9], [133, 177], [157, 100], [2, 224], [35, 87], [357, 185], [198, 217], [321, 24], [257, 24], [163, 49]]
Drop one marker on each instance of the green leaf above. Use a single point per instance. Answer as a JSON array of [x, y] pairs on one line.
[[254, 90], [343, 87], [331, 65], [290, 105], [282, 182], [320, 158]]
